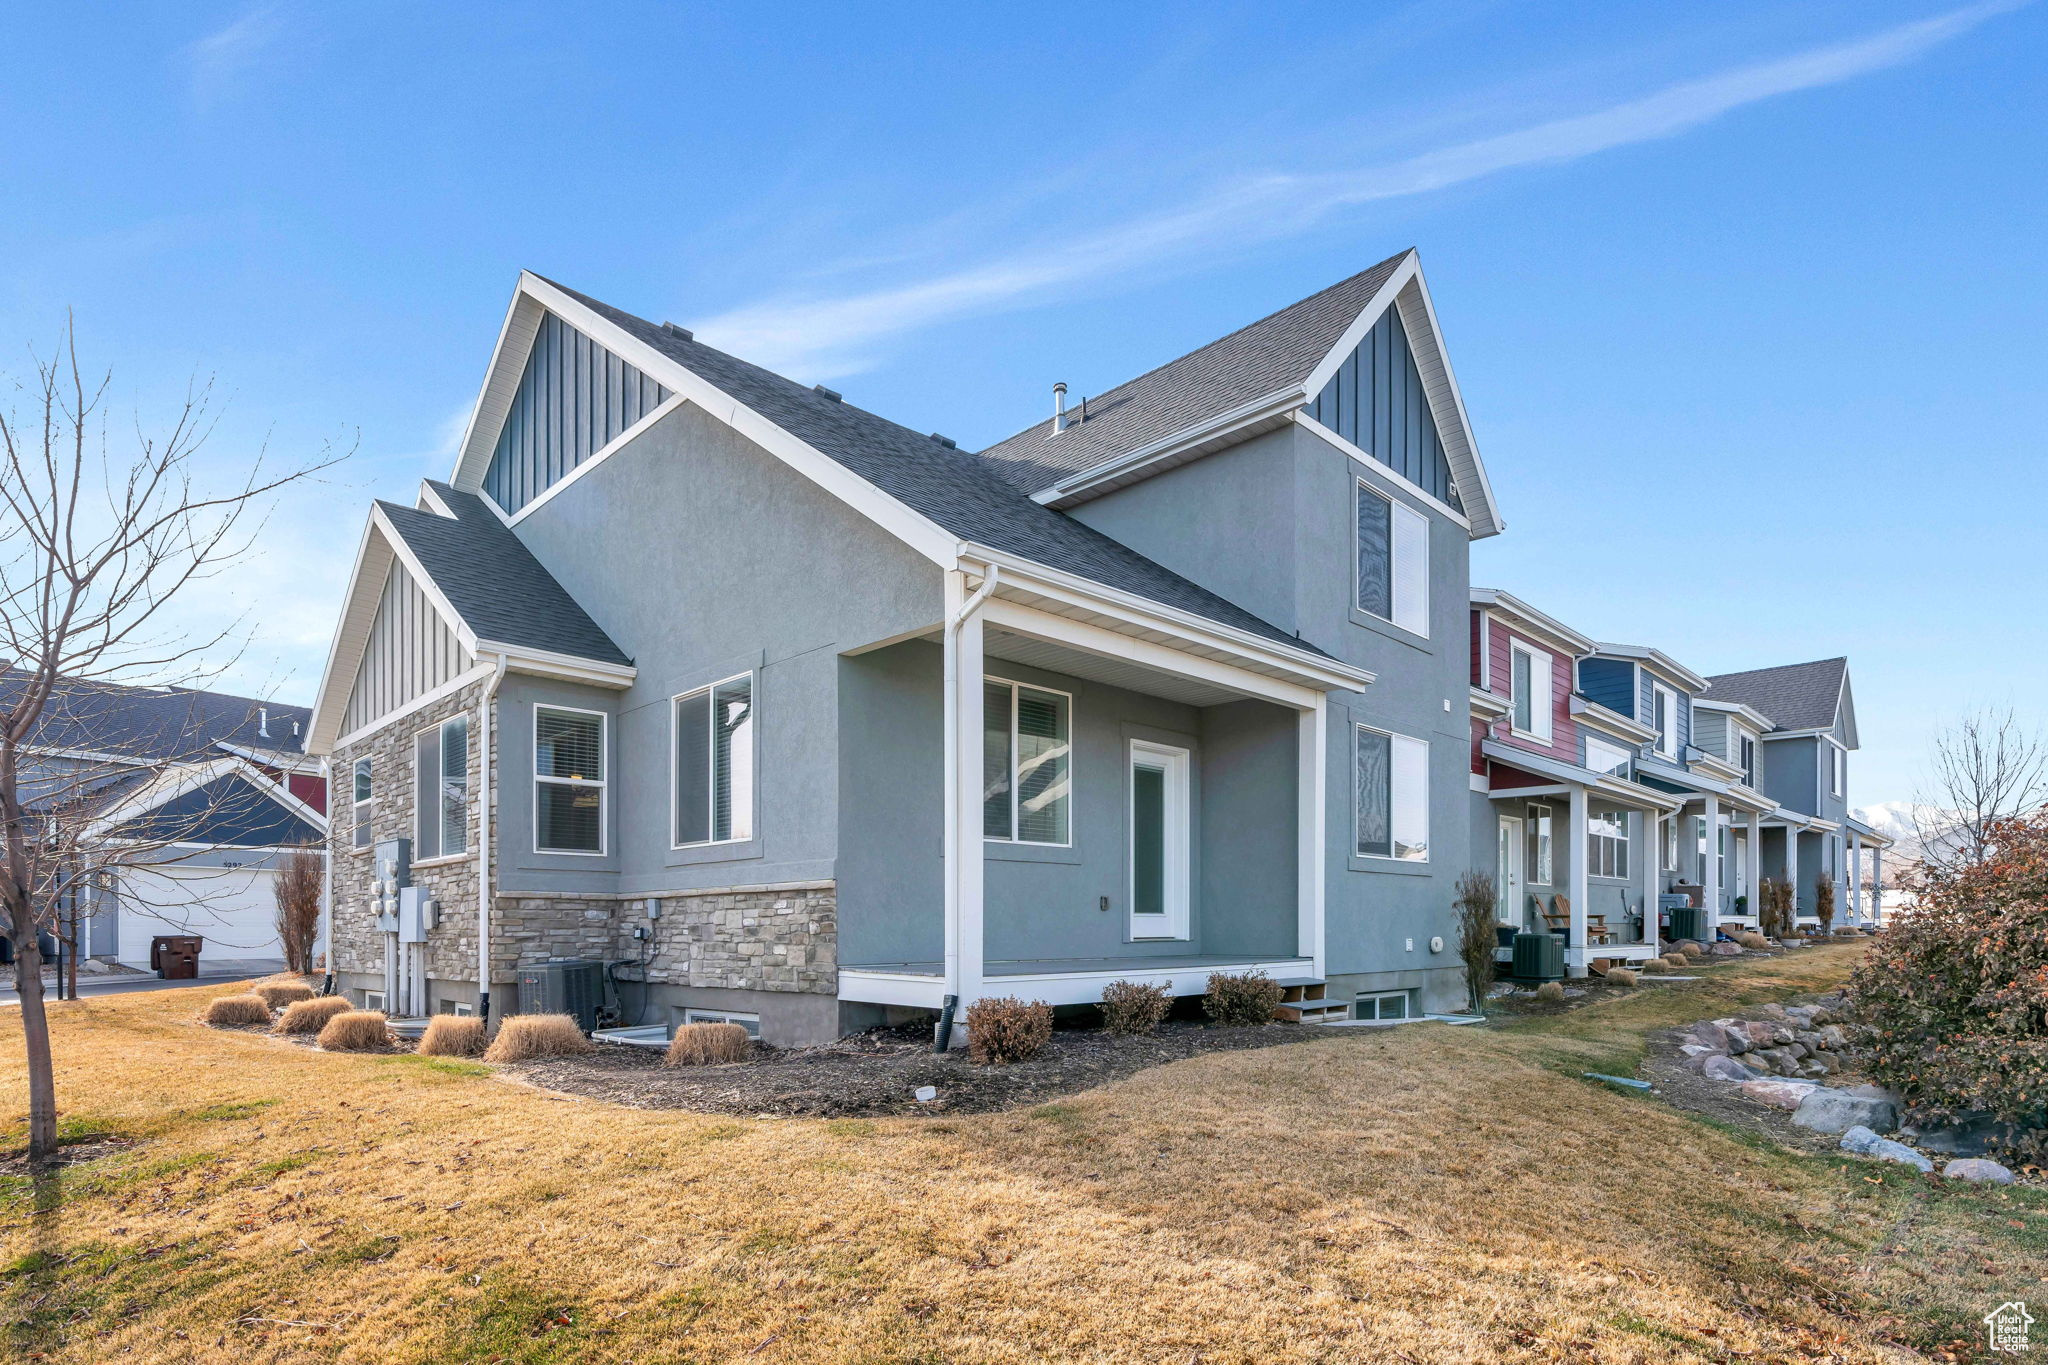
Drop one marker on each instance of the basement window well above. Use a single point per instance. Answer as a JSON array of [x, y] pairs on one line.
[[750, 1022], [1381, 1007]]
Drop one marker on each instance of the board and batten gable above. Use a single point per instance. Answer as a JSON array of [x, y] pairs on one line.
[[411, 651], [1710, 732], [574, 399], [1648, 682], [1610, 683], [706, 557], [1377, 401]]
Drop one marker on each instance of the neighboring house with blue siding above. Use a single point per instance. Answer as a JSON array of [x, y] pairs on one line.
[[796, 716], [188, 799], [1800, 722]]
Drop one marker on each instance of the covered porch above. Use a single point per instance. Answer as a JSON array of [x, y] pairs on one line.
[[1120, 796], [1576, 854]]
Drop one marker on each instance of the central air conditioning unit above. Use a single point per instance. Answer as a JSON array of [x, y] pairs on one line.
[[572, 986]]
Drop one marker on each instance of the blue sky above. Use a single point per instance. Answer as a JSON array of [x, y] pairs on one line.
[[1747, 300]]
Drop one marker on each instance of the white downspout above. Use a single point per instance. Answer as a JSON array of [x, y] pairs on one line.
[[327, 877], [483, 844], [956, 833]]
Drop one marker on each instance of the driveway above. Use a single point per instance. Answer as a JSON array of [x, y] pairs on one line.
[[210, 974]]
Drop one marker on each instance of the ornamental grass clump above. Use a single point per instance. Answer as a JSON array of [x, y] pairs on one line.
[[1550, 992], [708, 1045], [310, 1016], [356, 1031], [236, 1011], [1621, 976], [278, 994], [1005, 1029], [1950, 1003], [453, 1035], [1135, 1006], [1241, 999], [1677, 961], [1656, 964], [529, 1037]]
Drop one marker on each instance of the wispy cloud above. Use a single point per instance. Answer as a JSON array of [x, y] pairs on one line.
[[821, 336], [220, 60]]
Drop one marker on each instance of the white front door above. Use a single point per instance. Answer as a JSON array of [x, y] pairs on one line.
[[1159, 842], [1508, 884]]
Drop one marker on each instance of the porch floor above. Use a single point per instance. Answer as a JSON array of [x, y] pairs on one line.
[[1067, 966]]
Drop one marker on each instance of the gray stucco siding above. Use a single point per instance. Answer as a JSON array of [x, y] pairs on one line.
[[704, 556]]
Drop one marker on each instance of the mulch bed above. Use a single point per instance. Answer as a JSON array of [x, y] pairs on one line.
[[876, 1073], [16, 1162]]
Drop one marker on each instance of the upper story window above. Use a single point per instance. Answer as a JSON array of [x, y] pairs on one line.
[[1746, 757], [1393, 560], [1392, 776], [1027, 763], [568, 780], [1837, 759], [440, 811], [1665, 704], [1531, 681], [363, 797], [1603, 757], [714, 763]]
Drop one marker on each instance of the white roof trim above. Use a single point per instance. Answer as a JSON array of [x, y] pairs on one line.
[[1734, 708], [911, 527], [1516, 614], [1183, 446], [1656, 658], [1610, 722], [180, 778]]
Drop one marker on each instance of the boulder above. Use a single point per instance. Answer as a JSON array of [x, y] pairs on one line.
[[1762, 1033], [1836, 1111], [1862, 1142], [1801, 1015], [1824, 1062], [1809, 1039], [1724, 1068], [1832, 1037], [1726, 949], [1977, 1168], [1778, 1094], [1969, 1134], [1718, 1037]]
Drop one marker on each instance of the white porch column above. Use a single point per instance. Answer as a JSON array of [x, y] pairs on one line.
[[1754, 884], [1877, 883], [1792, 869], [1647, 854], [1855, 877], [1312, 780], [1710, 874], [1575, 846], [966, 946]]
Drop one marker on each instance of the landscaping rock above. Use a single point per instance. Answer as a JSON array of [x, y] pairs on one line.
[[1723, 1068], [1726, 950], [1809, 1040], [1778, 1094], [1862, 1142], [1832, 1037], [1977, 1168], [1971, 1134], [1835, 1111]]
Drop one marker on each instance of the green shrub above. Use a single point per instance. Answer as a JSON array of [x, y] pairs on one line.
[[1950, 1003], [1241, 999], [1134, 1006], [1002, 1028]]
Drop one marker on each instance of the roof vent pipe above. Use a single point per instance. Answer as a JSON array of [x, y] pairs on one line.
[[1059, 408], [263, 721]]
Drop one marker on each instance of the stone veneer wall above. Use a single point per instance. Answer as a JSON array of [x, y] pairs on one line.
[[764, 938], [358, 946]]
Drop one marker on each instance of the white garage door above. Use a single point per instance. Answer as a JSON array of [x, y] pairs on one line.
[[231, 908]]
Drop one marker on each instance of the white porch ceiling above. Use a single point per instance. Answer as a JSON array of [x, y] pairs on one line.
[[1079, 663]]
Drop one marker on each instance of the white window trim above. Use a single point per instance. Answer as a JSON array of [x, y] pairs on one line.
[[1407, 999], [1393, 798], [698, 1014], [1620, 751], [1013, 684], [1543, 663], [1538, 814], [1657, 690], [1603, 818], [360, 812], [604, 743], [442, 855], [376, 1000], [754, 737], [1396, 507], [1177, 875], [1834, 759]]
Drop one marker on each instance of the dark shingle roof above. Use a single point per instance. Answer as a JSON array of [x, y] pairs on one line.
[[157, 724], [493, 581], [960, 492], [227, 810], [1278, 350], [1795, 696]]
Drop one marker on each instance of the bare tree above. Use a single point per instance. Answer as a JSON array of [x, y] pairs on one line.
[[95, 547], [297, 888], [1988, 767]]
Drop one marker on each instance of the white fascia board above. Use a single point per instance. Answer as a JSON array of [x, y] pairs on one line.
[[548, 664], [1655, 658], [1490, 703], [1845, 712], [913, 528], [1446, 400], [423, 580], [1317, 671], [1734, 708], [597, 457], [1326, 369], [1716, 766], [1130, 466], [501, 382], [475, 673], [431, 501], [1385, 473], [1611, 722], [1815, 732], [1627, 793], [290, 762], [168, 784], [1540, 764], [351, 636], [1519, 615]]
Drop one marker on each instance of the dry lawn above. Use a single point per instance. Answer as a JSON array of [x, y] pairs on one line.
[[1418, 1194]]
